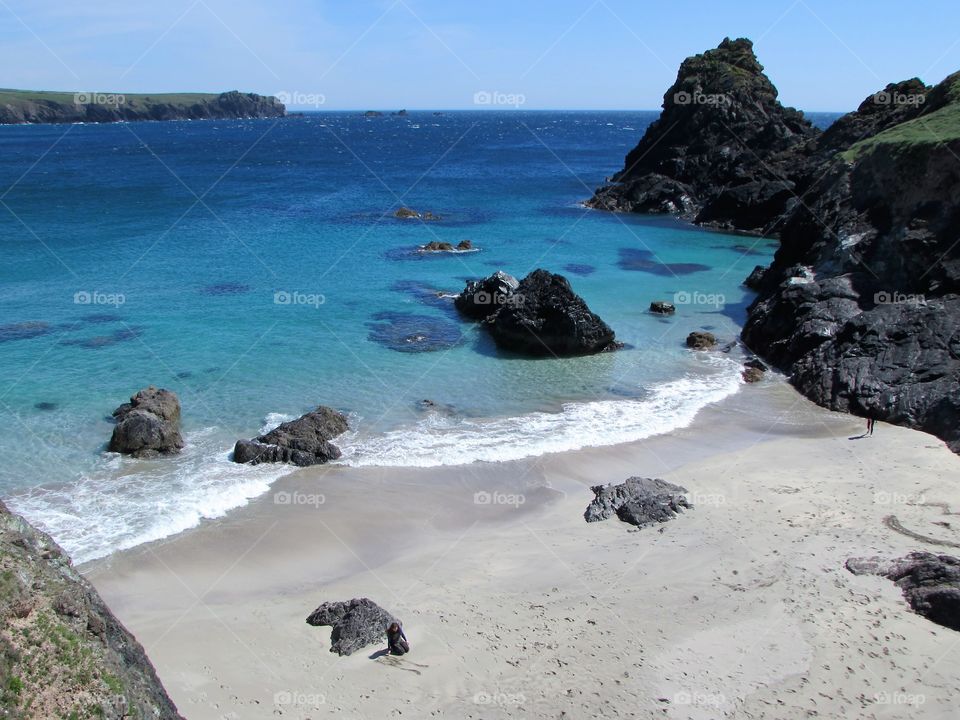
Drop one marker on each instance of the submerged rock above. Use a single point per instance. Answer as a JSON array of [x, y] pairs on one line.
[[63, 653], [545, 317], [304, 441], [148, 425], [930, 583], [414, 333], [482, 298], [638, 501], [356, 624], [661, 307]]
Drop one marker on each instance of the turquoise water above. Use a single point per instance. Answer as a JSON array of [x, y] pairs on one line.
[[163, 253]]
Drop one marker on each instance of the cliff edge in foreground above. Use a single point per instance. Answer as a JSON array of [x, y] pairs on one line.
[[62, 652]]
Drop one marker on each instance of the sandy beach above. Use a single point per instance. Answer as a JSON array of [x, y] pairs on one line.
[[516, 607]]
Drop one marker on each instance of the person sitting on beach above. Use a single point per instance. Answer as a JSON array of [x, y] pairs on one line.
[[396, 640]]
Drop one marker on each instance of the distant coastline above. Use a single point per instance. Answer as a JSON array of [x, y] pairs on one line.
[[19, 107]]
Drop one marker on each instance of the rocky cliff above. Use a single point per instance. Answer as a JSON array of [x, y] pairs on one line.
[[861, 303], [62, 652], [19, 107]]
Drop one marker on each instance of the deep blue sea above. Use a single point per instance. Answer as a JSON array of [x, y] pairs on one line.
[[256, 268]]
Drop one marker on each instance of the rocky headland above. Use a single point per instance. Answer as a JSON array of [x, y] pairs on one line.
[[861, 305], [19, 107]]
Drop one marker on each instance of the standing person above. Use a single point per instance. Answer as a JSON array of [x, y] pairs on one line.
[[870, 422], [396, 640]]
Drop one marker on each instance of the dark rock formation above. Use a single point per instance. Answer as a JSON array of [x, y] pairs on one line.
[[713, 155], [17, 107], [405, 213], [148, 425], [52, 614], [545, 317], [638, 501], [752, 374], [862, 302], [662, 307], [930, 583], [304, 441], [465, 245], [701, 340], [481, 298], [356, 624], [437, 246]]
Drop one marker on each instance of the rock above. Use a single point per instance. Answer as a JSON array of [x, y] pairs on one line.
[[545, 317], [756, 364], [701, 340], [752, 374], [356, 624], [373, 113], [481, 298], [106, 673], [716, 152], [661, 307], [465, 245], [638, 501], [302, 442], [930, 583], [405, 213], [148, 425], [435, 246]]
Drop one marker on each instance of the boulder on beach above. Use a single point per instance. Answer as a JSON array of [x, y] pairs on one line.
[[662, 307], [356, 624], [930, 583], [545, 317], [481, 298], [638, 501], [701, 340], [302, 442], [148, 425]]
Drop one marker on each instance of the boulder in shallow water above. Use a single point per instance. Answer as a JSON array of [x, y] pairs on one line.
[[662, 307], [545, 317], [304, 441], [356, 624], [638, 501], [481, 298], [930, 583], [437, 246], [148, 425], [701, 340]]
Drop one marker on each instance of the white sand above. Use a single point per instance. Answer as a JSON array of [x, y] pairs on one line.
[[739, 608]]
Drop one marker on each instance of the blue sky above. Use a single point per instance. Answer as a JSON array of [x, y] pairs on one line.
[[387, 54]]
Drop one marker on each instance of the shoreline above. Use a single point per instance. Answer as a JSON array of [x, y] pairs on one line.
[[525, 609]]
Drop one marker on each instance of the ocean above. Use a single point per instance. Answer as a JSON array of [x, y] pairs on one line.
[[256, 268]]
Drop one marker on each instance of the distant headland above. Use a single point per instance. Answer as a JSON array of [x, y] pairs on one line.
[[19, 107]]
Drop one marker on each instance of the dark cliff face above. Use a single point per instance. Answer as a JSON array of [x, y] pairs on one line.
[[62, 652], [713, 150], [132, 108], [862, 302]]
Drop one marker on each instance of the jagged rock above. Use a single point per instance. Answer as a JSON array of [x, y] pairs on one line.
[[148, 425], [661, 307], [930, 583], [638, 501], [465, 245], [437, 246], [405, 213], [713, 155], [108, 676], [545, 317], [752, 374], [481, 298], [356, 624], [701, 340], [302, 442]]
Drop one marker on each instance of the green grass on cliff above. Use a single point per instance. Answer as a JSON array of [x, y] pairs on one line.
[[134, 100], [937, 127]]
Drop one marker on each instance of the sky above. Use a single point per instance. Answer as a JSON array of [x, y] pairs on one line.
[[823, 55]]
